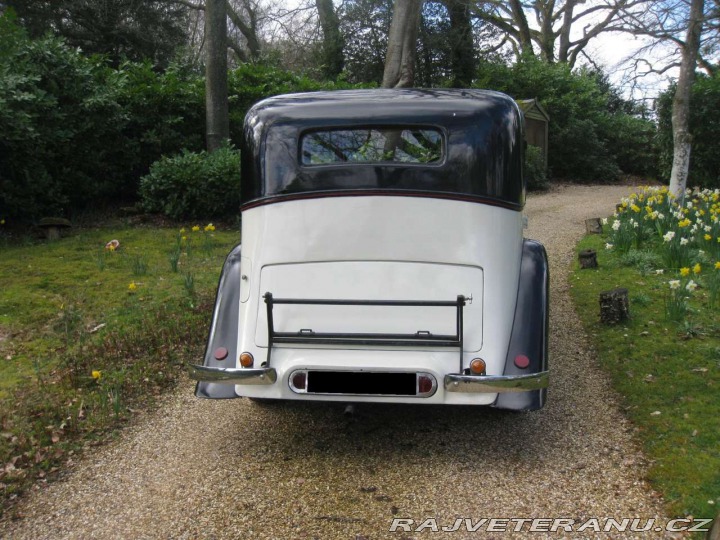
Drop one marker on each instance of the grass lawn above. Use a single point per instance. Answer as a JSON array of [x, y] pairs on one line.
[[88, 336], [668, 371]]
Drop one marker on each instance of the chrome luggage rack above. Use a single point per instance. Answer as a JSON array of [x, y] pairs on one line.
[[420, 338]]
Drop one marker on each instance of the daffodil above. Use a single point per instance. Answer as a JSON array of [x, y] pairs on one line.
[[132, 286], [707, 237], [697, 269], [209, 227], [685, 271], [96, 374], [196, 228], [691, 286], [674, 284], [668, 236], [717, 265], [182, 231]]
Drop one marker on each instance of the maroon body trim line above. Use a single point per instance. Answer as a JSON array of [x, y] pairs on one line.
[[381, 193]]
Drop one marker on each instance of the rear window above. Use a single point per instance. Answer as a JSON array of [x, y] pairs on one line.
[[372, 145]]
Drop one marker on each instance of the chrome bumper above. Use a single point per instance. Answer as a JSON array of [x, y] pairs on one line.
[[494, 384], [232, 375]]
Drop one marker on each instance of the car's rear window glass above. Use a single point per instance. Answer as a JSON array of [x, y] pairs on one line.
[[372, 145]]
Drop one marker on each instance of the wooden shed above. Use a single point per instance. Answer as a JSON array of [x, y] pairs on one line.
[[536, 124]]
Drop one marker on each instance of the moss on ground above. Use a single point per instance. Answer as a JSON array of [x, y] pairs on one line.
[[89, 335]]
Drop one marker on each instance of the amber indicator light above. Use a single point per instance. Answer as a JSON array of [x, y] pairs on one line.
[[246, 359], [477, 366]]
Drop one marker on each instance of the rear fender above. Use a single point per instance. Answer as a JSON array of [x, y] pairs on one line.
[[530, 327], [223, 330]]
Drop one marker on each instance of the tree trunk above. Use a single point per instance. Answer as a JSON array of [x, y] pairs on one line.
[[614, 306], [333, 43], [247, 29], [587, 259], [461, 43], [681, 101], [546, 41], [400, 58], [523, 28], [565, 29], [216, 83]]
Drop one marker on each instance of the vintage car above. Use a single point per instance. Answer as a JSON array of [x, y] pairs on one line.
[[382, 256]]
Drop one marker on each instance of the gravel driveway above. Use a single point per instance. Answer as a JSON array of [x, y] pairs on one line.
[[236, 470]]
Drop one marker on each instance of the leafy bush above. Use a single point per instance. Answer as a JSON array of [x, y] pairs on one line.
[[77, 133], [194, 185], [59, 119], [535, 170], [165, 114], [593, 135], [704, 128]]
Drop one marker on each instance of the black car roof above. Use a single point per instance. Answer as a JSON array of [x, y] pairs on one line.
[[484, 145], [380, 104]]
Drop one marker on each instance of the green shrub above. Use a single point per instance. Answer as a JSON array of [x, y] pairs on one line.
[[593, 134], [59, 122], [535, 170], [165, 114], [633, 143], [704, 128], [194, 185], [77, 133]]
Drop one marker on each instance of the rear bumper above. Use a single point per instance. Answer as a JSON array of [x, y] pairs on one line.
[[232, 375], [477, 384], [496, 384]]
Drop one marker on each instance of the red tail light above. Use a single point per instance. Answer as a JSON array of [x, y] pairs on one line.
[[522, 361], [425, 384], [298, 381]]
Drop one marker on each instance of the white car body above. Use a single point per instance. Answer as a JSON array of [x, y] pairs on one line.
[[365, 246]]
